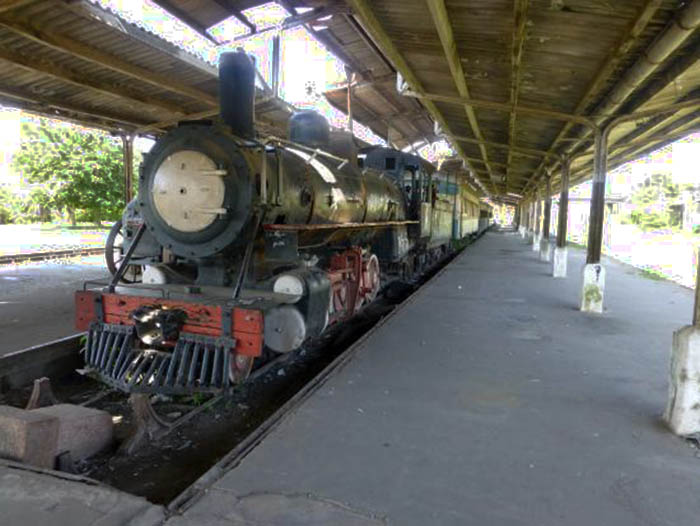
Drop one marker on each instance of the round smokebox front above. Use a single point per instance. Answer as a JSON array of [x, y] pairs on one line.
[[195, 192]]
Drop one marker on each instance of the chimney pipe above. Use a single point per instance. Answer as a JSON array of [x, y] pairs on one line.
[[237, 92]]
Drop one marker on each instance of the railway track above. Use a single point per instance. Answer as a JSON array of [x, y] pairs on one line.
[[47, 255]]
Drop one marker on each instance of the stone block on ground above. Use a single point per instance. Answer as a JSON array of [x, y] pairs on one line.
[[683, 409], [560, 262], [28, 436], [593, 288], [82, 431]]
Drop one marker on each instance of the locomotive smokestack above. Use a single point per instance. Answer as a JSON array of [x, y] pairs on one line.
[[237, 92]]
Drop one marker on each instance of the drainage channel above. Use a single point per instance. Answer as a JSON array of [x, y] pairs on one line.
[[211, 435]]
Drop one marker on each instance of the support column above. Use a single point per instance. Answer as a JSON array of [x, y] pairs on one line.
[[545, 246], [560, 251], [128, 159], [276, 66], [349, 74], [593, 287], [538, 215], [683, 407]]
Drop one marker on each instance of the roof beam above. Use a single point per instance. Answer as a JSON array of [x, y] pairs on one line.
[[635, 30], [230, 8], [92, 12], [39, 65], [9, 5], [53, 102], [505, 107], [369, 21], [519, 19], [67, 45], [639, 149], [655, 56], [185, 17], [520, 150], [441, 19]]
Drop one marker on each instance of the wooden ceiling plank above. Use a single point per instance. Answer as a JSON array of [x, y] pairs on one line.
[[442, 23], [186, 18], [519, 24], [113, 23], [60, 104], [89, 53], [635, 30], [9, 5], [36, 64], [519, 150], [374, 29]]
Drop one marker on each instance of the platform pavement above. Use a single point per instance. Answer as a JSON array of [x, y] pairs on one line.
[[37, 302], [35, 497], [488, 399]]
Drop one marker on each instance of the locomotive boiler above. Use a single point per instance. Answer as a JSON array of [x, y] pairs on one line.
[[245, 243]]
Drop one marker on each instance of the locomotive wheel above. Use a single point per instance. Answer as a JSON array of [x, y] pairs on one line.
[[114, 253], [240, 368], [371, 277]]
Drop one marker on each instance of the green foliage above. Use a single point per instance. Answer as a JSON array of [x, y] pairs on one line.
[[652, 202], [74, 170], [12, 207]]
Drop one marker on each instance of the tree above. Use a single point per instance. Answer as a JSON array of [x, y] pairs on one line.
[[653, 203], [78, 171]]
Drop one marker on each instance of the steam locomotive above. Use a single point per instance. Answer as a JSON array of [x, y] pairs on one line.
[[247, 245]]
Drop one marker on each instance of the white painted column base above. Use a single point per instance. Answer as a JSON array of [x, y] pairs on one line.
[[560, 261], [545, 250], [536, 241], [683, 410], [523, 231], [593, 288]]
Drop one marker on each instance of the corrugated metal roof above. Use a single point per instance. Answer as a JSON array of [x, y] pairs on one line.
[[74, 60]]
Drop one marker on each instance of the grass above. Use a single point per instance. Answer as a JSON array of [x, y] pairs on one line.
[[653, 274], [573, 244]]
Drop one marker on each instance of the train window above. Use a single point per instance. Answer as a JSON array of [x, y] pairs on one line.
[[390, 163]]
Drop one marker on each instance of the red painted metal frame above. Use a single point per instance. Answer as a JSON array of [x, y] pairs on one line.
[[247, 324], [349, 277]]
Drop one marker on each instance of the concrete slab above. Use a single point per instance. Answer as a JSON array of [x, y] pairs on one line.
[[28, 437], [36, 300], [82, 431], [38, 497], [491, 399]]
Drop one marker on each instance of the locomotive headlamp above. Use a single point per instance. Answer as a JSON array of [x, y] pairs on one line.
[[188, 191], [290, 285]]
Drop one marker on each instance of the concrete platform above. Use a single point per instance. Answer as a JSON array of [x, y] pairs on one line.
[[34, 497], [489, 399], [36, 300]]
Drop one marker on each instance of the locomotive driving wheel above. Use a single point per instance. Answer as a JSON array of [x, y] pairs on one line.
[[114, 254], [371, 275], [240, 368]]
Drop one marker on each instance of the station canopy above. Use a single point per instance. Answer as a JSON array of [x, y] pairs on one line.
[[513, 85]]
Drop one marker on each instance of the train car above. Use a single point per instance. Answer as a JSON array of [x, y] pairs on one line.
[[238, 246]]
